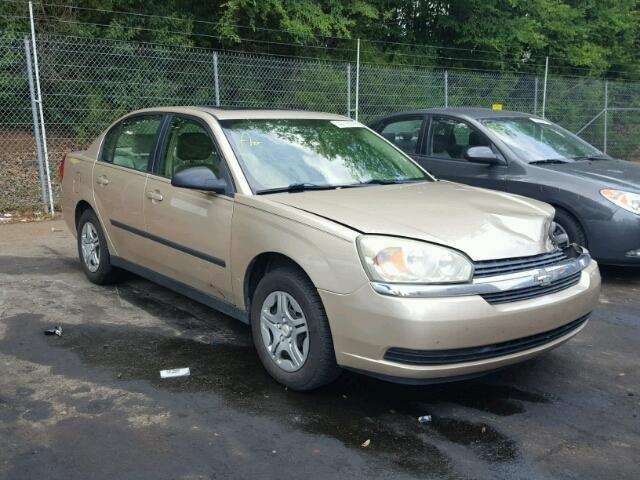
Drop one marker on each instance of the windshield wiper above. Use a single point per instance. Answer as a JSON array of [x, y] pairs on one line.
[[297, 187], [382, 181], [549, 161], [593, 157]]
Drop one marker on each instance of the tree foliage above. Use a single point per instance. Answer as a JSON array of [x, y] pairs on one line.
[[592, 37]]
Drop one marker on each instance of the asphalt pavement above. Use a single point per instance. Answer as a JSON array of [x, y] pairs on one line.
[[91, 403]]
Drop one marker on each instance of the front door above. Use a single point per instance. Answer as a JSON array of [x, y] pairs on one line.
[[190, 229], [443, 154], [119, 178]]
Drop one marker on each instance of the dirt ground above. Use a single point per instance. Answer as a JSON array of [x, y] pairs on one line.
[[90, 404]]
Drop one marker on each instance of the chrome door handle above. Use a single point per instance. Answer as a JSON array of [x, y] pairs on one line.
[[154, 195], [102, 180]]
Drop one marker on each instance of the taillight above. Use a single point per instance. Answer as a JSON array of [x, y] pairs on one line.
[[61, 171]]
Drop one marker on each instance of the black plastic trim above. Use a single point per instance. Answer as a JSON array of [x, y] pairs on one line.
[[183, 289], [473, 354], [169, 243], [532, 292]]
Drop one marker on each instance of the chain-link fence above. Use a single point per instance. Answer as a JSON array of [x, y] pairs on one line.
[[87, 83], [19, 181]]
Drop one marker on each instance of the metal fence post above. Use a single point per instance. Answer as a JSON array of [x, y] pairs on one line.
[[544, 88], [36, 122], [606, 107], [357, 79], [446, 89], [349, 90], [39, 92], [535, 96], [216, 80]]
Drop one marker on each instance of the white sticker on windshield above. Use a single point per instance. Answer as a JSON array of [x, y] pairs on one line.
[[539, 120], [347, 124]]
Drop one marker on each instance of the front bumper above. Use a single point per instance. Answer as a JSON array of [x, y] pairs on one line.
[[609, 240], [366, 324]]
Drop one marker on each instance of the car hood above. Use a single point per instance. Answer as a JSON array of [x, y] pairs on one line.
[[612, 173], [485, 224]]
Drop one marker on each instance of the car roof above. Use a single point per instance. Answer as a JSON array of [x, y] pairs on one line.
[[244, 114], [468, 112]]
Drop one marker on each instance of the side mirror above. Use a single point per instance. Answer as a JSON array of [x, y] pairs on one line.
[[483, 155], [199, 178]]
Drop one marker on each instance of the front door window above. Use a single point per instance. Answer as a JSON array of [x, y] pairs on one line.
[[450, 139]]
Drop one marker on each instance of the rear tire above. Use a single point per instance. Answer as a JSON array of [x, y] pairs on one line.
[[291, 332], [571, 226], [93, 250]]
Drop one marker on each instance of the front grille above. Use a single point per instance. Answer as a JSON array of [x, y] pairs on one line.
[[488, 268], [471, 354], [531, 292]]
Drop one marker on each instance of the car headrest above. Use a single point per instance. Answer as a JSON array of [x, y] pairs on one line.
[[142, 142], [439, 143], [406, 136], [476, 139], [389, 136], [195, 146]]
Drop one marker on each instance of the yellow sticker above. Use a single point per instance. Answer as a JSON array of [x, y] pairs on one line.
[[496, 106]]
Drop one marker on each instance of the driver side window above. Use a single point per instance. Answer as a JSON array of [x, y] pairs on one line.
[[189, 145], [450, 139]]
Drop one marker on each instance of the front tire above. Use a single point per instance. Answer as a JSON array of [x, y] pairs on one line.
[[93, 250], [291, 332], [569, 225]]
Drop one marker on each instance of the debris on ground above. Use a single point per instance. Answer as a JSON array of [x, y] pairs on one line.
[[175, 372], [424, 419], [366, 443], [57, 330]]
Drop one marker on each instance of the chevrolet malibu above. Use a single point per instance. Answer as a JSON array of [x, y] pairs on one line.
[[334, 246]]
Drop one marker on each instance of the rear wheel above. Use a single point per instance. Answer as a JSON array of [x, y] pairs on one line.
[[93, 250], [291, 332], [567, 224]]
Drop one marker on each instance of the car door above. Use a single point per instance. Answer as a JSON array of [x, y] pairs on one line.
[[443, 154], [119, 178], [190, 229]]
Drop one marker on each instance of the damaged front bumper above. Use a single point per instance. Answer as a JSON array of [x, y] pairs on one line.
[[368, 326]]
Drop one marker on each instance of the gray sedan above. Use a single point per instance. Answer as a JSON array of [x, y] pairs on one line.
[[597, 198]]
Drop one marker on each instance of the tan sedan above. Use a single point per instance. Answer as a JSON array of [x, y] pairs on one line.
[[336, 248]]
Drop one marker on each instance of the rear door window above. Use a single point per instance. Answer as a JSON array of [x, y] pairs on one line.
[[404, 133], [130, 143]]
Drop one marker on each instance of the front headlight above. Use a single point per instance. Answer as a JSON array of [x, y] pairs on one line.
[[627, 200], [399, 260]]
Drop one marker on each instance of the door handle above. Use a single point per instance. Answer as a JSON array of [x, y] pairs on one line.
[[154, 195], [102, 180]]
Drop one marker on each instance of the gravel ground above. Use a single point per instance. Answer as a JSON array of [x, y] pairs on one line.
[[90, 404]]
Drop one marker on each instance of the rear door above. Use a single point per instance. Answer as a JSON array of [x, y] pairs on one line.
[[119, 177], [443, 153], [190, 229]]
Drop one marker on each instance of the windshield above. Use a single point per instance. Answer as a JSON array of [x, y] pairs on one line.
[[276, 154], [534, 139]]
